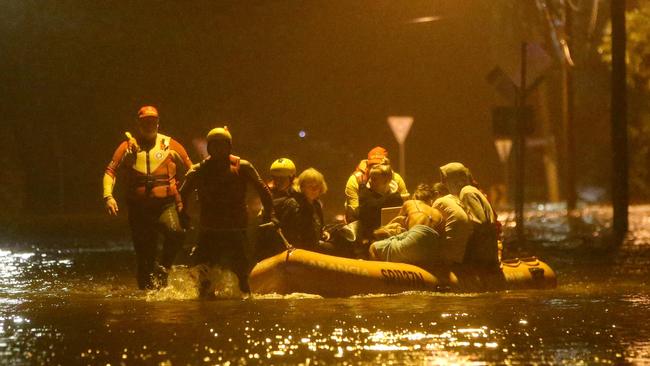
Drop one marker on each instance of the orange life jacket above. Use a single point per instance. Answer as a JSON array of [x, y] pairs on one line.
[[152, 173]]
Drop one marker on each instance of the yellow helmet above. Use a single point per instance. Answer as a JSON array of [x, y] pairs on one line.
[[283, 167], [219, 133]]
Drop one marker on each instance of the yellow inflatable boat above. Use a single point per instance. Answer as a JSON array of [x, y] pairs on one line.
[[302, 271]]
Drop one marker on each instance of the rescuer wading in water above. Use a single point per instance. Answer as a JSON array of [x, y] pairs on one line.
[[221, 181], [151, 162]]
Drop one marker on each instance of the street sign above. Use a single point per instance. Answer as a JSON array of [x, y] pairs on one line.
[[504, 146], [506, 78], [400, 125], [504, 121]]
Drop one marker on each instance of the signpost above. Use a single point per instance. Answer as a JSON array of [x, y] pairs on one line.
[[401, 125], [520, 147], [515, 83], [504, 146]]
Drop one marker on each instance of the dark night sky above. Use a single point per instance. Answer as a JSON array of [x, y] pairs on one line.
[[76, 73]]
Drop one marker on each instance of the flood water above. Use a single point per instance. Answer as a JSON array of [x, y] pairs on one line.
[[78, 305]]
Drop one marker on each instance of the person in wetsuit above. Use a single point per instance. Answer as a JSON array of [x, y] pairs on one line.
[[151, 163], [220, 181]]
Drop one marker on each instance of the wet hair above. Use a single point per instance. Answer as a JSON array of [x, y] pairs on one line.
[[423, 193], [381, 171], [440, 189], [308, 176]]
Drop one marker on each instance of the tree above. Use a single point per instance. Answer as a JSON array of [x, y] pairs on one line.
[[638, 78]]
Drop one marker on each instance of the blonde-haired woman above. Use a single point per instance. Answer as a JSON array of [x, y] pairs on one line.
[[302, 222]]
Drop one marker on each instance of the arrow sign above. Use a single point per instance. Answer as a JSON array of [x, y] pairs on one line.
[[400, 125]]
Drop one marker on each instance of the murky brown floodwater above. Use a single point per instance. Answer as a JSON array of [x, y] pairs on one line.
[[78, 306]]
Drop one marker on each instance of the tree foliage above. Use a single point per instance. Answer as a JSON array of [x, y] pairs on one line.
[[637, 55], [637, 59]]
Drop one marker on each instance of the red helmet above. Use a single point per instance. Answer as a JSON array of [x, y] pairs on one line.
[[377, 155], [148, 111]]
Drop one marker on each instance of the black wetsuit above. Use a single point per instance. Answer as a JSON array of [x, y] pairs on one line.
[[222, 194]]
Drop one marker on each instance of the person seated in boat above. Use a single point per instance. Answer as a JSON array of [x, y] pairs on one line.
[[378, 193], [498, 227], [482, 247], [267, 241], [302, 219], [360, 176], [457, 226], [421, 241], [439, 190], [283, 172], [415, 211], [221, 181]]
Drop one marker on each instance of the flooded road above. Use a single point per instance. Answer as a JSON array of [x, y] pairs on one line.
[[78, 305]]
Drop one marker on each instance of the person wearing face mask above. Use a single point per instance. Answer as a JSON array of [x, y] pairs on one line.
[[152, 163], [221, 181]]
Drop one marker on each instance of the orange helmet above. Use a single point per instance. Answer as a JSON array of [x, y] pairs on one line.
[[148, 111], [377, 155]]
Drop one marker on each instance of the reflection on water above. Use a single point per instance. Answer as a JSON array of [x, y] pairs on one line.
[[80, 306]]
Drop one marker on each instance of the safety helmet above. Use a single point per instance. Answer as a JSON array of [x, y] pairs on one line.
[[283, 167], [377, 155], [148, 111], [219, 133]]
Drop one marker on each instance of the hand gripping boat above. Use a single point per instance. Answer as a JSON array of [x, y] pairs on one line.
[[303, 271]]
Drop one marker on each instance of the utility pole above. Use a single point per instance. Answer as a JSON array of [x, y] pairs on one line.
[[520, 147], [620, 196], [568, 108]]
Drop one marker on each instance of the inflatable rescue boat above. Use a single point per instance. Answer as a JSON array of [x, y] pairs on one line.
[[303, 271]]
